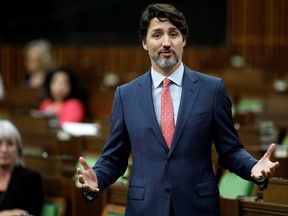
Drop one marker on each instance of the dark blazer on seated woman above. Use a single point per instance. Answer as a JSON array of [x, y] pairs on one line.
[[24, 191]]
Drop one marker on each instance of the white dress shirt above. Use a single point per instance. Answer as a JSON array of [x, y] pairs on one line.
[[175, 90]]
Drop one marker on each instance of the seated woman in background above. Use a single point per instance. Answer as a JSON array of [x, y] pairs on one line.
[[38, 60], [64, 97], [21, 189]]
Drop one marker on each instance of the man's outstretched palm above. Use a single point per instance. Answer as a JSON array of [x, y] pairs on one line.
[[265, 168], [87, 177]]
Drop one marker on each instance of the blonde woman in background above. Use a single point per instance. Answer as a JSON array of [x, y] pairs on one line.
[[21, 191], [38, 60]]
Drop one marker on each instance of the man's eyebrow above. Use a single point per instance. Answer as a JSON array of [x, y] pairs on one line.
[[161, 29], [157, 29], [173, 29]]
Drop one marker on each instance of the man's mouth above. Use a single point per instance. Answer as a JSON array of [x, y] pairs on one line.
[[166, 54]]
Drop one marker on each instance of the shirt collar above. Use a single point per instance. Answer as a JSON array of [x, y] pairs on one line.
[[175, 77]]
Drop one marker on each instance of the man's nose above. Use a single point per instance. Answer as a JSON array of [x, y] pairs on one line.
[[166, 41]]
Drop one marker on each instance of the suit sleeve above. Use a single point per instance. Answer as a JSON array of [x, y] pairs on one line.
[[232, 155], [114, 158]]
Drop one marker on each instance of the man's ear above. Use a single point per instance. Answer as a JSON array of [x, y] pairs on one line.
[[184, 42], [144, 44]]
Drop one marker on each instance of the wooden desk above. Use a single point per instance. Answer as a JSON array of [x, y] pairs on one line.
[[72, 146], [35, 132], [249, 135], [64, 188], [242, 207], [117, 194], [277, 191], [282, 170], [255, 208], [275, 201], [19, 100], [58, 181], [57, 173], [229, 207], [94, 143], [82, 207]]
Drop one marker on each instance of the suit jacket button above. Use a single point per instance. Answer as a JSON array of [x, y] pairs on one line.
[[170, 159], [167, 190]]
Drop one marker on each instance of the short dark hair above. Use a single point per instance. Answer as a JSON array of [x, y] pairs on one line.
[[76, 88], [162, 12]]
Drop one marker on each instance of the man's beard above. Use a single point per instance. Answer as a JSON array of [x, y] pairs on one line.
[[165, 63]]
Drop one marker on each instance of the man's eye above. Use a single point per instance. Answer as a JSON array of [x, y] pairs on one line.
[[156, 36], [173, 35]]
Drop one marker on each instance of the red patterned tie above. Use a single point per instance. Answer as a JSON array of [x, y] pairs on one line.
[[167, 114]]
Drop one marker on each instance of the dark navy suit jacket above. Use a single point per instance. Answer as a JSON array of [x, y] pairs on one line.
[[182, 174]]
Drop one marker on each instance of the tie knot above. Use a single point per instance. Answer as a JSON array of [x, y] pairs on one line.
[[166, 82]]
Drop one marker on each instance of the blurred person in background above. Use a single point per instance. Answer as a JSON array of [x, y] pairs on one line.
[[65, 98], [21, 189], [38, 60]]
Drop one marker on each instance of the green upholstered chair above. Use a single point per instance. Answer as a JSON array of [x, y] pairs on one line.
[[285, 141], [233, 186], [113, 210], [50, 209], [115, 214]]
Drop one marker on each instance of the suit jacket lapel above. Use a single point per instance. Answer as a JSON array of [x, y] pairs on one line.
[[190, 89], [144, 93]]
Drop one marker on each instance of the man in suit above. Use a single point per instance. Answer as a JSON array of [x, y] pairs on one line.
[[171, 175]]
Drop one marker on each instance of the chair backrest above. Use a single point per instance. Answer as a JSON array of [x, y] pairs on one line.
[[233, 186], [54, 206], [113, 210], [50, 209]]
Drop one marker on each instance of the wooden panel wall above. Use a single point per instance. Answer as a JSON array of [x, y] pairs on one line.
[[92, 63], [256, 29]]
